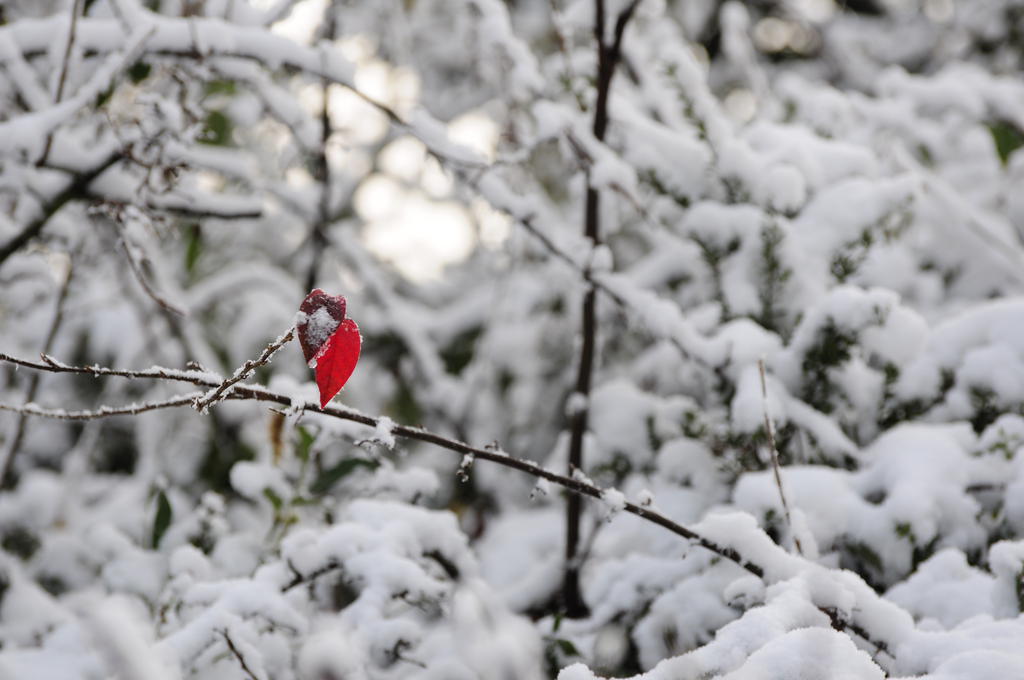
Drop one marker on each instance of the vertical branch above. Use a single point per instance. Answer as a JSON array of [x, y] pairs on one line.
[[608, 56], [239, 657], [76, 9], [322, 171], [769, 429], [7, 467]]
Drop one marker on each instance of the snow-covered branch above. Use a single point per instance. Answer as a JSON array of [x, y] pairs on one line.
[[574, 484]]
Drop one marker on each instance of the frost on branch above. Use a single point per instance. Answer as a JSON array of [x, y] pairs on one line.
[[808, 211]]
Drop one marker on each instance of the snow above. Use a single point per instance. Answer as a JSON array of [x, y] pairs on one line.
[[809, 653], [330, 653], [850, 231], [319, 326], [614, 502], [383, 432], [945, 589], [118, 632], [252, 479]]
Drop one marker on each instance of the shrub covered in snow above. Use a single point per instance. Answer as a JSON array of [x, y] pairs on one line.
[[747, 277]]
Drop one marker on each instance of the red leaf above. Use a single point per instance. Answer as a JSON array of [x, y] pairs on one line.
[[337, 359], [323, 313], [330, 342]]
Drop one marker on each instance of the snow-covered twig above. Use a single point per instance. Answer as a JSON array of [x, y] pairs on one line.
[[574, 484], [22, 133], [135, 265], [203, 403], [76, 9], [260, 393], [19, 431], [191, 206], [299, 578], [79, 183], [31, 409], [235, 652], [769, 429]]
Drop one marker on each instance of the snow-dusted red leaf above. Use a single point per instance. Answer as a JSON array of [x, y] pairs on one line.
[[337, 359], [330, 342], [322, 314]]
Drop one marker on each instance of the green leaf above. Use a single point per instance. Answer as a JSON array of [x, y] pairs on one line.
[[306, 440], [193, 248], [217, 129], [1007, 137], [139, 71], [567, 647], [274, 499], [103, 97], [162, 520], [459, 352], [224, 86], [328, 478]]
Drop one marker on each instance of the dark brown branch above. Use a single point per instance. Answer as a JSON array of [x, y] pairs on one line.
[[238, 655], [259, 393], [299, 578], [244, 371], [322, 170], [607, 59]]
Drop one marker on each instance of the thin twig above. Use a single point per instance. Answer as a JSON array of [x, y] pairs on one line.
[[563, 47], [299, 578], [260, 393], [72, 190], [7, 468], [494, 455], [103, 411], [160, 373], [322, 168], [203, 403], [238, 655], [769, 428], [140, 276], [185, 206], [76, 9]]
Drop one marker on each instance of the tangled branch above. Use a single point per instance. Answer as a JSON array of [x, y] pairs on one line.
[[576, 485], [202, 404]]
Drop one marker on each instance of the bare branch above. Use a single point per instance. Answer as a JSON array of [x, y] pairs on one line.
[[322, 169], [207, 400], [7, 467], [299, 578], [72, 190], [769, 429], [187, 207], [238, 655], [607, 60], [495, 455], [159, 373], [103, 411], [260, 393], [135, 265], [76, 9]]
